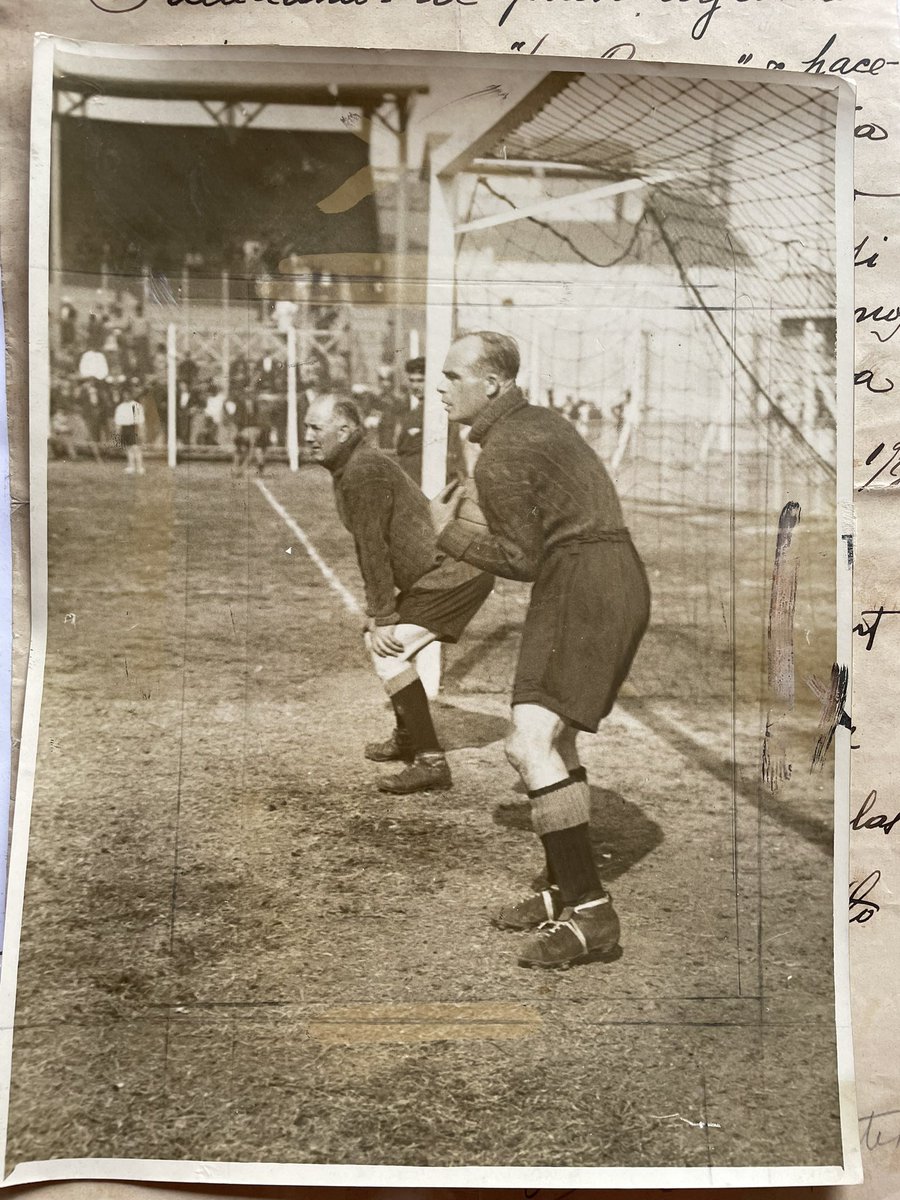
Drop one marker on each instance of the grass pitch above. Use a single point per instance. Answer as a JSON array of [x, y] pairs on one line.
[[235, 948]]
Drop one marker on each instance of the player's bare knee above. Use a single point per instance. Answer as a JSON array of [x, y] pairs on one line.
[[566, 740], [518, 749]]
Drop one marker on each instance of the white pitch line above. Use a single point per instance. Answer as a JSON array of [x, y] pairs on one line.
[[350, 601]]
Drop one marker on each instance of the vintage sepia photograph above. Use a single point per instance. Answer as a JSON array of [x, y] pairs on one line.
[[437, 568]]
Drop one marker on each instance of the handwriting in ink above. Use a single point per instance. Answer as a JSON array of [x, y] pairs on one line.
[[867, 380], [868, 628], [280, 3], [871, 259], [701, 25], [843, 65], [698, 29], [891, 464], [879, 313], [774, 64], [845, 721], [871, 1135], [118, 6], [879, 821], [876, 195], [869, 130], [535, 47], [861, 908], [620, 50]]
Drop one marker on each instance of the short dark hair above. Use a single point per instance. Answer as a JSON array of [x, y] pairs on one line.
[[499, 352], [415, 366], [345, 409]]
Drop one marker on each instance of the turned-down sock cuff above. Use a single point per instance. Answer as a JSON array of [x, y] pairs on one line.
[[401, 681], [559, 806]]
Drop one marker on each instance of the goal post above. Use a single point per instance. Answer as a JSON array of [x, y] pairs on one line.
[[215, 346], [172, 394], [439, 327], [293, 438]]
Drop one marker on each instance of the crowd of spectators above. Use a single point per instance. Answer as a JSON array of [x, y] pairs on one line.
[[101, 359], [108, 357]]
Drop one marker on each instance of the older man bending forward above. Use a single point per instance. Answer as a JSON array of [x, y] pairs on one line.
[[415, 594]]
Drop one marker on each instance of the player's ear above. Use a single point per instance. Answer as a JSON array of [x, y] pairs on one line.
[[491, 386]]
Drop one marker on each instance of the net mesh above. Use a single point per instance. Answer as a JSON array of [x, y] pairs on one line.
[[663, 250]]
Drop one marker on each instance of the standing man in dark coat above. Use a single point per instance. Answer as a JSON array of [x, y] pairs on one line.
[[415, 594], [551, 517], [410, 421]]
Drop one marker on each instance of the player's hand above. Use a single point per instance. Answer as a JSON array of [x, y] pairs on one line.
[[444, 505], [384, 642]]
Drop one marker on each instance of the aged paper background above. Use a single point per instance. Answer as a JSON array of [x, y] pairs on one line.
[[859, 39]]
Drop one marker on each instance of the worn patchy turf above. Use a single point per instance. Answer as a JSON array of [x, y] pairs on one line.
[[235, 948]]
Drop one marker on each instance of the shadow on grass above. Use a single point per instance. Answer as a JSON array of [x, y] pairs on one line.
[[620, 833], [461, 729]]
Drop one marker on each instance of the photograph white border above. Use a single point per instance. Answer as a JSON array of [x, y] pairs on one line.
[[174, 1171]]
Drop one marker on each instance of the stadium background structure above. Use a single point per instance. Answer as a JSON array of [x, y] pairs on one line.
[[688, 245]]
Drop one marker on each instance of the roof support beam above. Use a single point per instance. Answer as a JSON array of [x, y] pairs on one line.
[[482, 131]]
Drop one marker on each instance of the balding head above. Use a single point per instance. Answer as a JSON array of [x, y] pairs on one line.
[[478, 367], [499, 354], [332, 420]]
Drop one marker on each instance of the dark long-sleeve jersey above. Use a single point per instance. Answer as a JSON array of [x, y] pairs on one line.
[[540, 487], [390, 521]]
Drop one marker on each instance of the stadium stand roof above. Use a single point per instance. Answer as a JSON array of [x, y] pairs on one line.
[[245, 77]]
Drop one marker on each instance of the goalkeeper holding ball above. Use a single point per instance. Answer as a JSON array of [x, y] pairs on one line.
[[551, 517]]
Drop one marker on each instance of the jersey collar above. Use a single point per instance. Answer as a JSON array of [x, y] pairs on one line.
[[510, 399]]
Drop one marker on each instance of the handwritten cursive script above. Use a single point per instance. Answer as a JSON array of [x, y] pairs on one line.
[[862, 909], [118, 6], [873, 1135], [891, 465], [871, 619], [863, 821], [701, 12]]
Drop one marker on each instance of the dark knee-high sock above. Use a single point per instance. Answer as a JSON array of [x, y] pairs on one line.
[[576, 775], [571, 856], [414, 716], [560, 814], [398, 716]]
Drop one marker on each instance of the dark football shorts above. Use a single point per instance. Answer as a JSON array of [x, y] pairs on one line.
[[128, 435], [590, 607], [446, 612]]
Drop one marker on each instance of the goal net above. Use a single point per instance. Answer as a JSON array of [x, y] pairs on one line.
[[663, 250]]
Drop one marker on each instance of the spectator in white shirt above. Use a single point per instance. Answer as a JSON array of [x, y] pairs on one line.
[[129, 419]]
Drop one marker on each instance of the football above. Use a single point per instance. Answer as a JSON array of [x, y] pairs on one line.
[[468, 508]]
